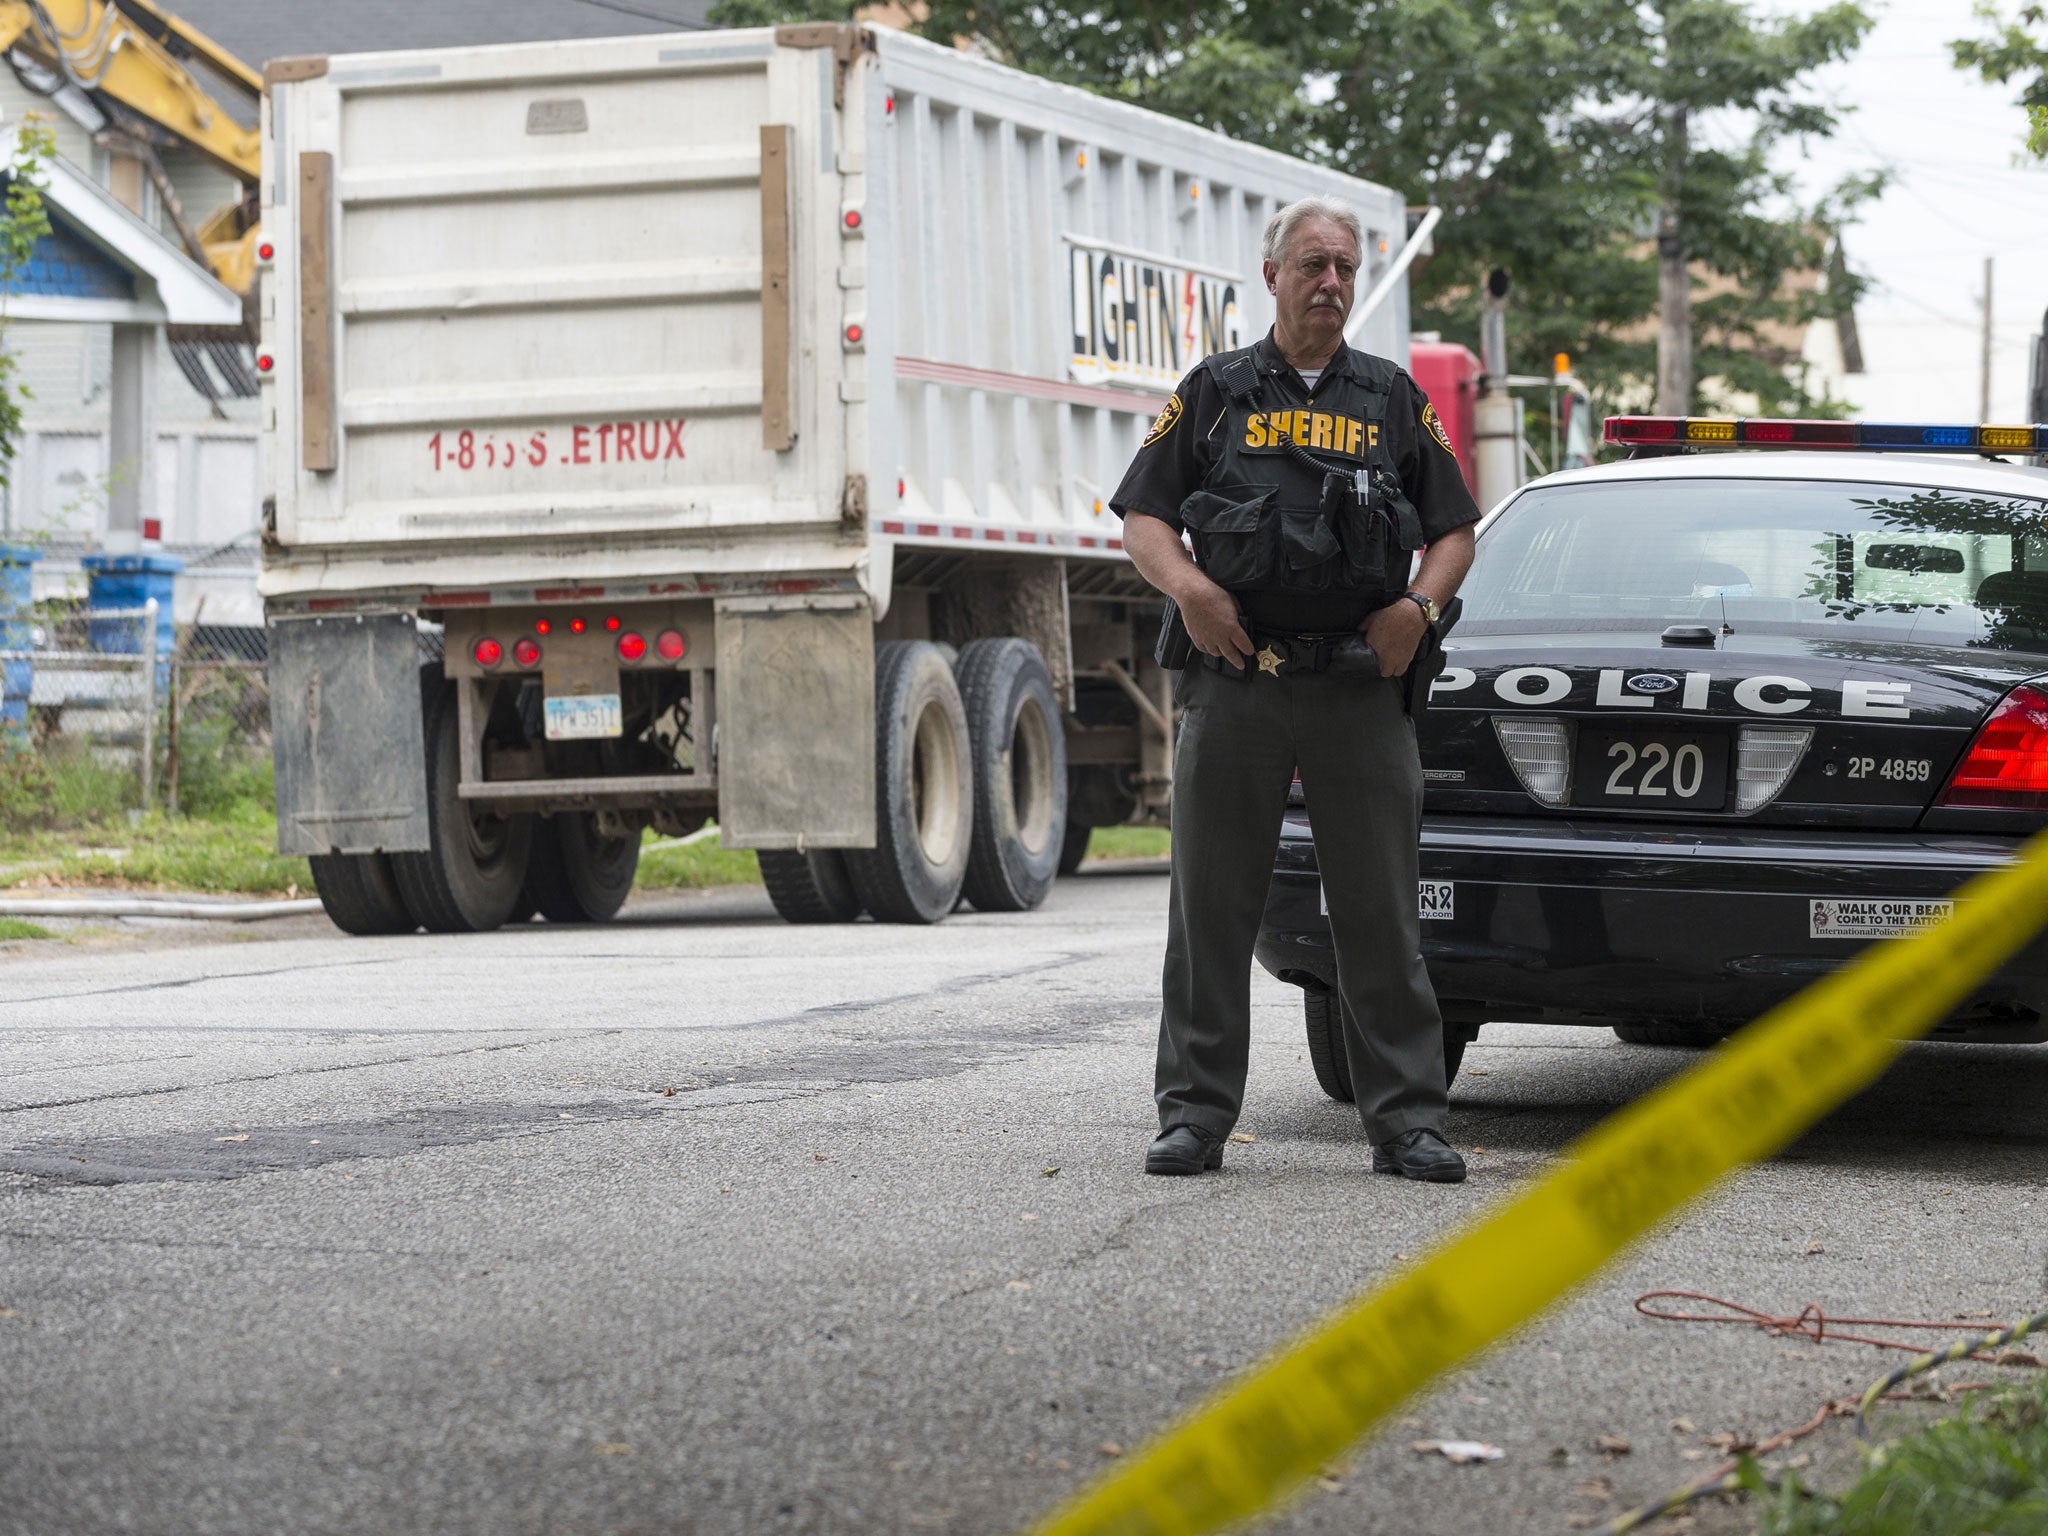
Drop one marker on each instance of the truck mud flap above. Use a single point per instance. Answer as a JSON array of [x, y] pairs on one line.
[[796, 722], [345, 734]]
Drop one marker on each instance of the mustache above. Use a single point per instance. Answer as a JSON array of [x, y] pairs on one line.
[[1323, 301]]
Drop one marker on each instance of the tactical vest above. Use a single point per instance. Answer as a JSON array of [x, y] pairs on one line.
[[1303, 499]]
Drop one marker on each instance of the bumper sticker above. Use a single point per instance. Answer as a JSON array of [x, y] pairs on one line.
[[1829, 919], [1433, 899]]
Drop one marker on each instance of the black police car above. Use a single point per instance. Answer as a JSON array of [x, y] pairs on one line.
[[1712, 722]]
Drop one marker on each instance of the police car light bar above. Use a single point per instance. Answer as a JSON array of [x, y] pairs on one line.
[[1778, 432]]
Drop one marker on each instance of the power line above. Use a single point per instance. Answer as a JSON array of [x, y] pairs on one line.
[[641, 11]]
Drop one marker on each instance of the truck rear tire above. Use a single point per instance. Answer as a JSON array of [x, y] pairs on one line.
[[924, 795], [812, 887], [1326, 1053], [1019, 757], [469, 878], [360, 893], [575, 874]]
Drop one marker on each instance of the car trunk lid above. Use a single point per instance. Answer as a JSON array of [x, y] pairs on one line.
[[1778, 728]]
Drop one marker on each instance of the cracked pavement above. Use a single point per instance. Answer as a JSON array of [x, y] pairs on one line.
[[698, 1222]]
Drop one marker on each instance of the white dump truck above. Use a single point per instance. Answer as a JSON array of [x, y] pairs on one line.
[[662, 428]]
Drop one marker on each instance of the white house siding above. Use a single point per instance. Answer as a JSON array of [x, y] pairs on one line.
[[207, 484]]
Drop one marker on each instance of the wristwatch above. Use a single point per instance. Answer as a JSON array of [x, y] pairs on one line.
[[1426, 603]]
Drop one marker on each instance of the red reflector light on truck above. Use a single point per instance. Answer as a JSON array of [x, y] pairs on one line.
[[543, 626], [631, 646], [526, 652], [2006, 767], [670, 645], [488, 652], [577, 626]]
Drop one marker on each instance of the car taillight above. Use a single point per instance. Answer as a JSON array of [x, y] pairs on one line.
[[526, 652], [1540, 752], [488, 652], [670, 645], [631, 647], [2006, 767], [1765, 756]]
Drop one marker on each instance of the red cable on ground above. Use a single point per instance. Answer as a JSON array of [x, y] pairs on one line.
[[1809, 1322]]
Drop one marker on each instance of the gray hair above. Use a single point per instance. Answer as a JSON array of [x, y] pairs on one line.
[[1280, 230]]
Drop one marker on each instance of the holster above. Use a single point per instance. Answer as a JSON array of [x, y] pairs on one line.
[[1353, 656], [1175, 645], [1428, 664]]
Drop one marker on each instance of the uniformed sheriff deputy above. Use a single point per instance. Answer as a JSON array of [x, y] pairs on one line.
[[1305, 473]]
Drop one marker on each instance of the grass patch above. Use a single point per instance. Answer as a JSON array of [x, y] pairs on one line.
[[1983, 1472], [695, 866], [66, 819], [18, 928], [1128, 843], [233, 852]]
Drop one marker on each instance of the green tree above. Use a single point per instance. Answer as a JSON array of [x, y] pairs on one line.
[[1552, 133], [2013, 50]]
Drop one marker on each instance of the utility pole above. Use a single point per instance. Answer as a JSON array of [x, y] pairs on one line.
[[1984, 356], [1674, 283], [1496, 450]]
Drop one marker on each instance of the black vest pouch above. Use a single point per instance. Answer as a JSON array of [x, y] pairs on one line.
[[1313, 556], [1363, 533], [1236, 536]]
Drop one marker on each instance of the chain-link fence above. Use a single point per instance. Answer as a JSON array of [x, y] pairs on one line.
[[88, 677], [217, 711], [181, 711]]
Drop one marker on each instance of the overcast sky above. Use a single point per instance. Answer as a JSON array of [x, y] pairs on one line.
[[1956, 197]]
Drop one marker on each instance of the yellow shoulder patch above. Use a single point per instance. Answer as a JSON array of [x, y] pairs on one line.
[[1163, 423], [1436, 428]]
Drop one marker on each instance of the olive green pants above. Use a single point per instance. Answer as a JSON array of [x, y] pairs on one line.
[[1240, 741]]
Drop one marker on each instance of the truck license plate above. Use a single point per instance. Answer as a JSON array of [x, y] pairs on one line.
[[582, 716]]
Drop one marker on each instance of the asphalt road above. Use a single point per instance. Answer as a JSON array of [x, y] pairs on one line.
[[696, 1222]]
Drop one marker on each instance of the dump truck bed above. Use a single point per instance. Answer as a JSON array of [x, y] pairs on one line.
[[740, 311]]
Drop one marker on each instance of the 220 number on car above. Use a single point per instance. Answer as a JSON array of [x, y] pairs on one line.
[[1649, 772]]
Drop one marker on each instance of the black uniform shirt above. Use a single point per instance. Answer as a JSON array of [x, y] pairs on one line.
[[1184, 443]]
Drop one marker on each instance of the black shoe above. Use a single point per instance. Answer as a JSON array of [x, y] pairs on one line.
[[1184, 1150], [1419, 1154]]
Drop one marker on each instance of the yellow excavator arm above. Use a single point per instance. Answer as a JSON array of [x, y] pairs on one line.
[[133, 55]]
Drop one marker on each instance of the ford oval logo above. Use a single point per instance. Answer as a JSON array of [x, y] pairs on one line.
[[1651, 682]]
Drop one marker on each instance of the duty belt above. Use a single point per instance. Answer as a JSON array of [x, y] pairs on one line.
[[1279, 654]]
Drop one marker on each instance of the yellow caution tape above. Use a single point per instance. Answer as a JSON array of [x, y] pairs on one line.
[[1256, 1440]]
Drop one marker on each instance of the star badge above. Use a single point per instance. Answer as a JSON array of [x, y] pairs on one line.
[[1269, 662]]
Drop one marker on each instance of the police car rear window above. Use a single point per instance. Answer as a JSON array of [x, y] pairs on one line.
[[1904, 563]]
